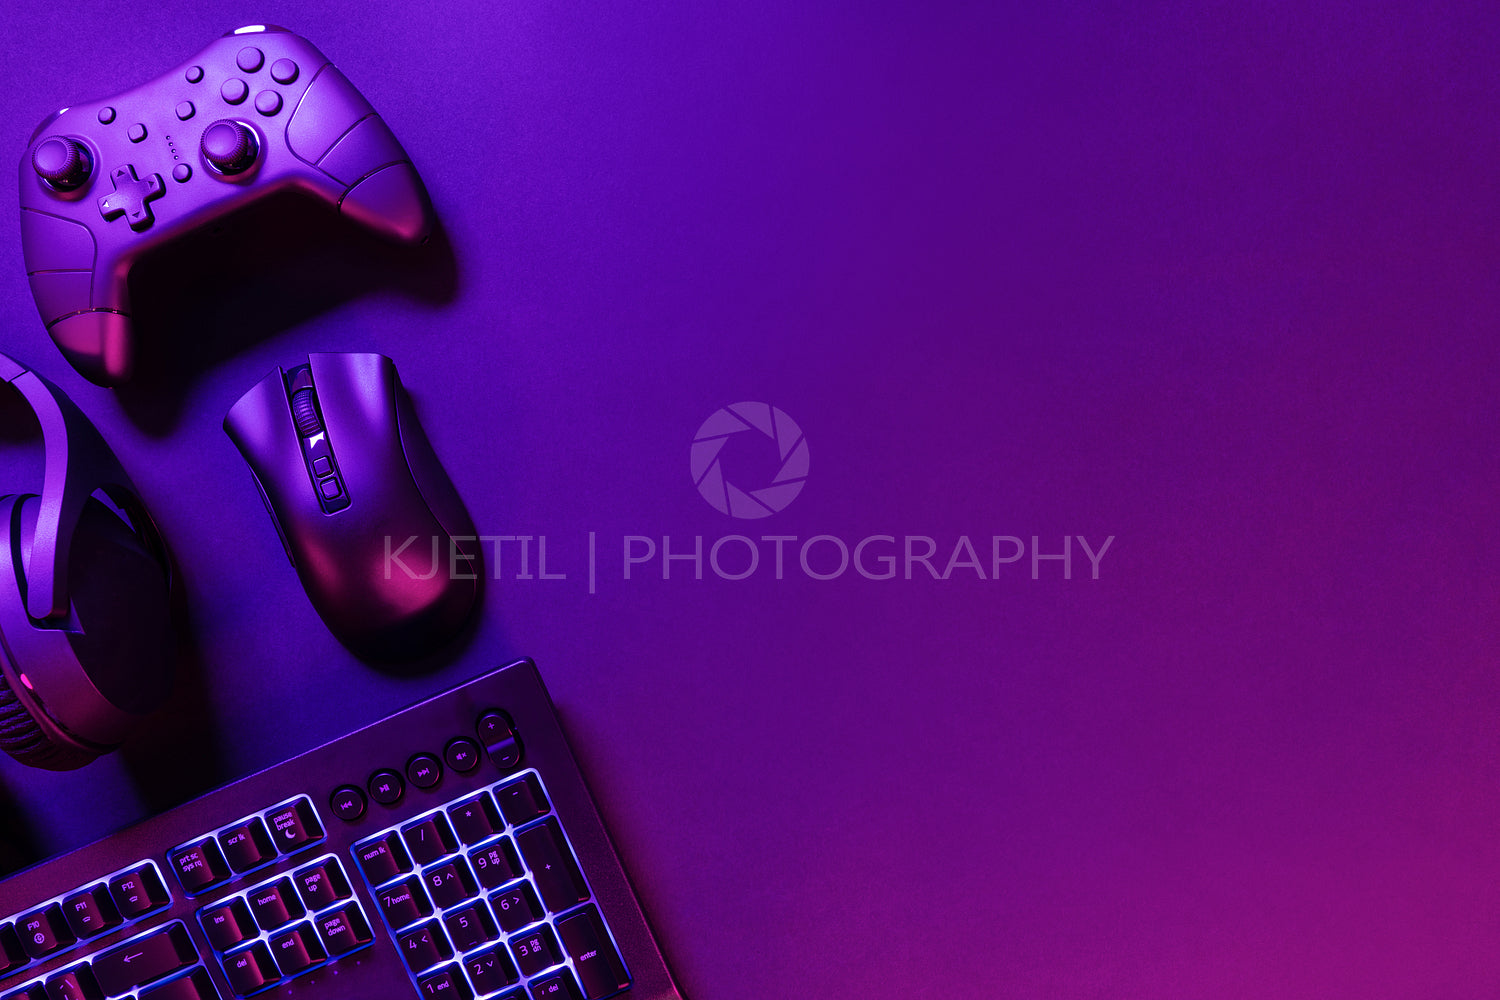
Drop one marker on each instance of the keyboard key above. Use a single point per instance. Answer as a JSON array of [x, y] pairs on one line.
[[199, 866], [247, 846], [515, 907], [275, 905], [145, 959], [322, 884], [536, 950], [36, 991], [386, 787], [522, 801], [470, 927], [227, 924], [550, 860], [476, 819], [250, 970], [294, 825], [297, 950], [194, 986], [424, 770], [382, 859], [429, 839], [424, 947], [43, 931], [137, 892], [601, 973], [403, 902], [90, 912], [77, 983], [491, 970], [450, 884], [462, 755], [343, 930], [11, 955], [496, 864], [446, 984], [560, 985]]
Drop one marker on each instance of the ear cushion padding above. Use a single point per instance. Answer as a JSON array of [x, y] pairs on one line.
[[25, 740]]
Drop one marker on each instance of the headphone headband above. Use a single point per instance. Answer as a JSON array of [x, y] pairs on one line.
[[78, 462]]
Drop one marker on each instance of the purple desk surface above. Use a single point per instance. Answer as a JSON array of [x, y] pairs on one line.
[[1222, 285]]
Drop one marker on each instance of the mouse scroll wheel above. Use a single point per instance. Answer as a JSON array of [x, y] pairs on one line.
[[305, 412]]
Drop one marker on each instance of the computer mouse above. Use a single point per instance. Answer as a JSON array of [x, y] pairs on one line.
[[381, 541]]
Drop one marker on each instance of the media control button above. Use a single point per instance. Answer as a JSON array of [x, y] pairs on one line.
[[462, 755], [386, 787], [424, 770], [347, 803]]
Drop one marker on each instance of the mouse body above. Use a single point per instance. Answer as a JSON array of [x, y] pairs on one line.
[[370, 520]]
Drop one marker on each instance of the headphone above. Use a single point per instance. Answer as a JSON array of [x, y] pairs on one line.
[[86, 641]]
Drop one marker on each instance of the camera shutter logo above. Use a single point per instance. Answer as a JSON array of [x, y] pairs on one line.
[[749, 500]]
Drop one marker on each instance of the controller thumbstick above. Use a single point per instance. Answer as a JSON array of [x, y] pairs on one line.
[[62, 162], [230, 147]]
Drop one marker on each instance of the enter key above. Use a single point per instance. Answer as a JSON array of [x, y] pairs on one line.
[[587, 940]]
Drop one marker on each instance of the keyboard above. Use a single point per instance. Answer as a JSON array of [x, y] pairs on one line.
[[448, 852]]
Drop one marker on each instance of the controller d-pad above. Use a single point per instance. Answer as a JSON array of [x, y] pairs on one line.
[[132, 198]]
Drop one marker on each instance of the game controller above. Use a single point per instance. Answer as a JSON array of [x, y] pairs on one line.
[[258, 111]]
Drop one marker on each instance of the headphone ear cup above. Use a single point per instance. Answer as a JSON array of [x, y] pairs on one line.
[[88, 685], [121, 596], [23, 738]]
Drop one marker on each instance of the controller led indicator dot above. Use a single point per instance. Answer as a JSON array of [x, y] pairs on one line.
[[250, 29]]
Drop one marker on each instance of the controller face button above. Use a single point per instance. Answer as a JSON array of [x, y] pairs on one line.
[[106, 115], [62, 163], [283, 71], [268, 102], [194, 74], [250, 59], [137, 132], [230, 147], [234, 90], [132, 198], [185, 111], [181, 172]]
